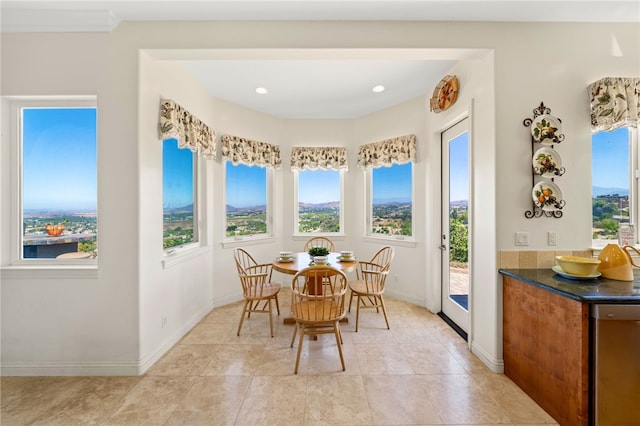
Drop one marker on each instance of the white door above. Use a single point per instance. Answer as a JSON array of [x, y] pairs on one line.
[[455, 225]]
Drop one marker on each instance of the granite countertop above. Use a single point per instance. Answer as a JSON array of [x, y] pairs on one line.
[[597, 290]]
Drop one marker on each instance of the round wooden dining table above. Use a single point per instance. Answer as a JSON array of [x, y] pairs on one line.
[[302, 260]]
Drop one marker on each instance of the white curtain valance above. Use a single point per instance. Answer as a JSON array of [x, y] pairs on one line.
[[251, 153], [398, 150], [313, 158], [176, 122], [615, 102]]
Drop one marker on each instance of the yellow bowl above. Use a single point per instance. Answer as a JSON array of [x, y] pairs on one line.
[[576, 265]]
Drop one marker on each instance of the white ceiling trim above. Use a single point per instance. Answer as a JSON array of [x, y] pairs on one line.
[[37, 21], [100, 15]]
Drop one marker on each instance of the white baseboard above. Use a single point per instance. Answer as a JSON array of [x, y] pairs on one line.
[[42, 368], [495, 365]]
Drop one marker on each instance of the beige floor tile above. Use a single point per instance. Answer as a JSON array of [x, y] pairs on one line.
[[460, 400], [151, 401], [91, 403], [336, 399], [235, 360], [516, 404], [25, 398], [382, 358], [274, 400], [400, 400], [212, 401], [184, 360]]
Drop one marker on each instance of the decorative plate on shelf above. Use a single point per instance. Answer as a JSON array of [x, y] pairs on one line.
[[547, 196], [547, 162], [546, 129]]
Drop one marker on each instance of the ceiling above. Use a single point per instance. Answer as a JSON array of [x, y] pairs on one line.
[[310, 88]]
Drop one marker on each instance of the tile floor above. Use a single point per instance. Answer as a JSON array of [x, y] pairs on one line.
[[418, 373]]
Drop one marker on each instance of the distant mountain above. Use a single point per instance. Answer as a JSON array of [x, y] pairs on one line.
[[231, 208], [459, 203], [391, 201], [184, 209], [329, 205], [598, 191]]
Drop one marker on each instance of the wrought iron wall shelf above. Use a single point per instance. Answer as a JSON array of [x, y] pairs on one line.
[[546, 132]]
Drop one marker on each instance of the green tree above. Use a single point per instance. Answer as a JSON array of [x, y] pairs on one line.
[[458, 241]]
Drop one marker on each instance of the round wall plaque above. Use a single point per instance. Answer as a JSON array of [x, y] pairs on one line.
[[445, 94]]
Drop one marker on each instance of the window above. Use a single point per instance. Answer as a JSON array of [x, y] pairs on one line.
[[179, 201], [614, 187], [318, 201], [391, 200], [246, 194], [57, 179]]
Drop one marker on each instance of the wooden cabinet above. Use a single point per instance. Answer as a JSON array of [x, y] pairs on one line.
[[546, 349]]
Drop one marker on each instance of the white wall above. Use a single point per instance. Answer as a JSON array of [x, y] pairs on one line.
[[108, 324], [63, 321]]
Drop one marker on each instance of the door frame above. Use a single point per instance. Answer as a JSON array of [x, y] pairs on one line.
[[465, 328]]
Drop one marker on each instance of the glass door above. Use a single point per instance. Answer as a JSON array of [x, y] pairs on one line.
[[455, 226]]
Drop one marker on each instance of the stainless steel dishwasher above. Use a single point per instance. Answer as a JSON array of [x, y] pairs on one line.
[[616, 365]]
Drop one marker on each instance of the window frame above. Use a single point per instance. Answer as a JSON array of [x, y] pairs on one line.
[[16, 219], [296, 217], [249, 239], [197, 224], [368, 222], [634, 189]]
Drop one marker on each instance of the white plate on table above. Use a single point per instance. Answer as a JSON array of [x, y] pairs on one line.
[[285, 259], [558, 270], [346, 259]]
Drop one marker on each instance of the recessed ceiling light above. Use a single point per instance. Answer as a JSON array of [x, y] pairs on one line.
[[261, 91], [378, 89]]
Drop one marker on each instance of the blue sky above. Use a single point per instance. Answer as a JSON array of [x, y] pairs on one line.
[[177, 177], [459, 168], [246, 186], [319, 186], [392, 183], [59, 159], [610, 152]]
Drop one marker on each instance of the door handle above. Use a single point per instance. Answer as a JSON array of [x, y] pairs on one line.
[[442, 246]]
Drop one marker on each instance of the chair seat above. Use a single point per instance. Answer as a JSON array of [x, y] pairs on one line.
[[317, 311], [362, 287], [268, 290]]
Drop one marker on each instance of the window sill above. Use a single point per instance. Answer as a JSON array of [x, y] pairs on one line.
[[303, 237], [176, 257], [49, 271], [248, 241], [394, 241]]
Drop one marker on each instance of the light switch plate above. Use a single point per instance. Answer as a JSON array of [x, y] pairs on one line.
[[522, 238]]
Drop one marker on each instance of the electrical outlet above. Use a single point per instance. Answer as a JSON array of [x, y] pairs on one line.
[[163, 321], [552, 238], [522, 238]]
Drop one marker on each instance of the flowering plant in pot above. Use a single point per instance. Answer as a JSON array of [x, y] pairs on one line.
[[319, 254]]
